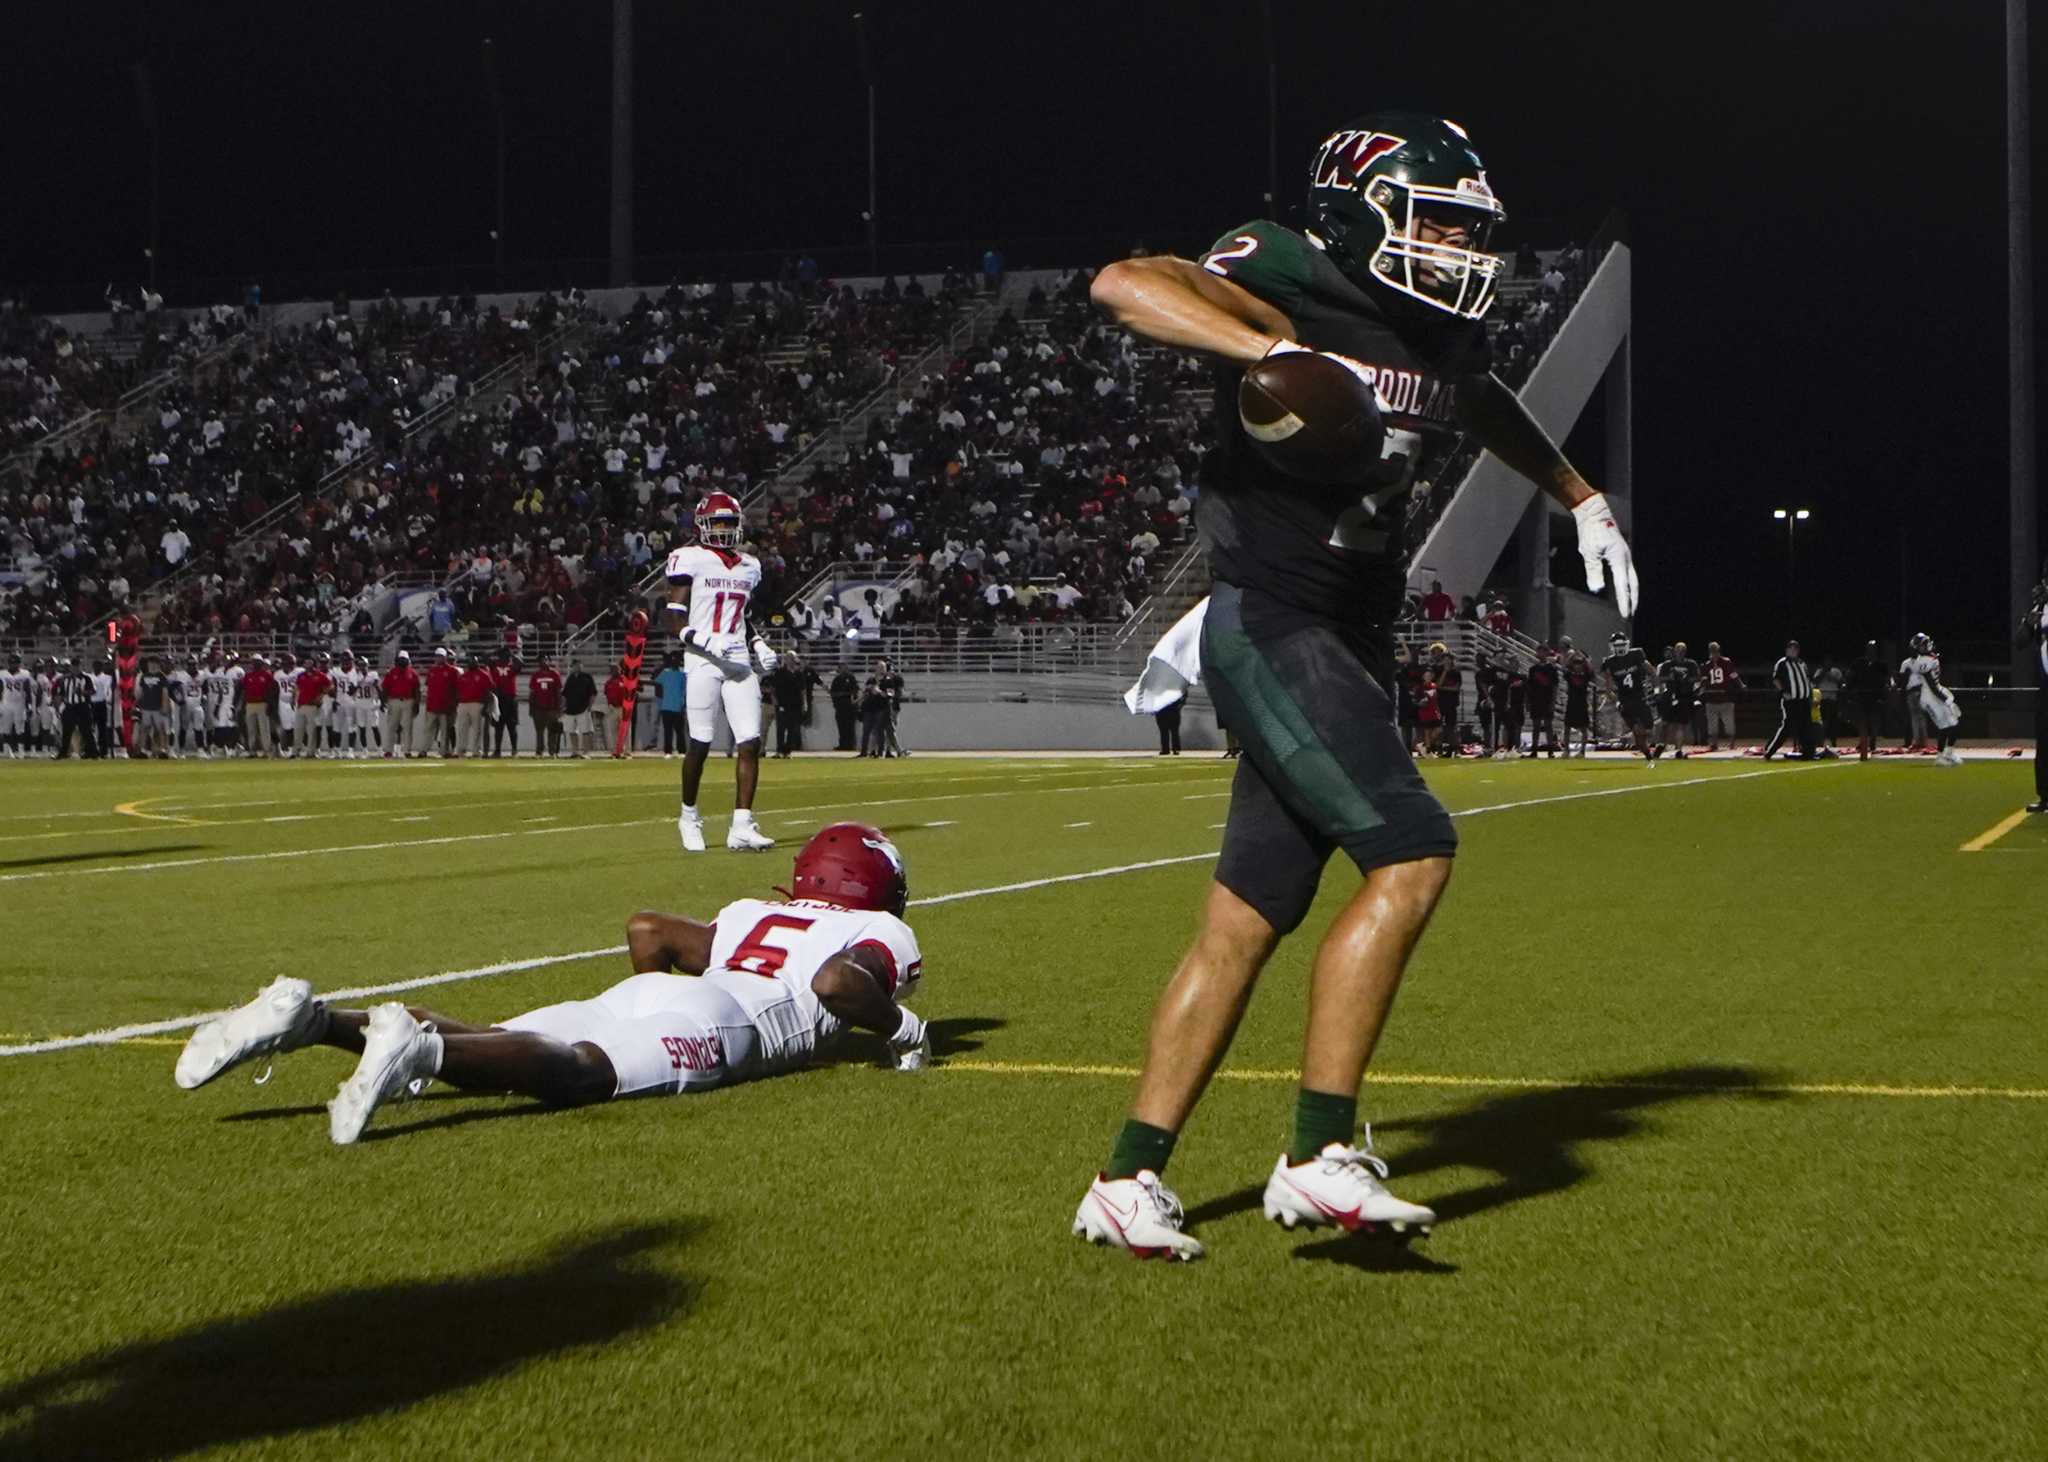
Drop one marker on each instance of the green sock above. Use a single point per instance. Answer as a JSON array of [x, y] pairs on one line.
[[1140, 1146], [1321, 1118]]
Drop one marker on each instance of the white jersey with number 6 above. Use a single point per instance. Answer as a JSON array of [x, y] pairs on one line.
[[722, 582], [765, 954]]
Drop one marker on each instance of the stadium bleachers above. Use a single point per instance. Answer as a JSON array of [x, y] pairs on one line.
[[534, 461]]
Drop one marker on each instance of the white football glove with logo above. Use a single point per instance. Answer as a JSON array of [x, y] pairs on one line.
[[764, 654], [1605, 552]]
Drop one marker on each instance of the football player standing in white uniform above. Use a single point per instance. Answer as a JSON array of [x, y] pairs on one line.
[[1922, 672], [347, 680], [49, 703], [761, 987], [184, 690], [17, 689], [217, 686], [710, 584], [369, 707], [288, 704]]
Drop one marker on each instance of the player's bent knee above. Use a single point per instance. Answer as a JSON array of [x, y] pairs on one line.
[[586, 1075]]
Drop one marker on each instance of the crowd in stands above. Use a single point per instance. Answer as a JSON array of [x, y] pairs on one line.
[[1044, 474], [110, 515], [1040, 476], [51, 376], [537, 507]]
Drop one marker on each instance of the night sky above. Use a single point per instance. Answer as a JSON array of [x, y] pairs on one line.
[[1815, 194]]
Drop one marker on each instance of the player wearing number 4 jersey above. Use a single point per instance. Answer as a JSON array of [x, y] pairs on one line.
[[710, 584], [754, 992], [1392, 277]]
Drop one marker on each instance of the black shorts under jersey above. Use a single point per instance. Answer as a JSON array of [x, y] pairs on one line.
[[1324, 767]]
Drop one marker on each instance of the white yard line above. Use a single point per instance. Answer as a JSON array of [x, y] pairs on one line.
[[505, 967]]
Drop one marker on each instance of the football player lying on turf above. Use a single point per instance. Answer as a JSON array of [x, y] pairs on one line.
[[762, 986]]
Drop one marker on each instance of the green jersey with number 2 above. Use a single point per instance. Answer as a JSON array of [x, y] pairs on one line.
[[1335, 552]]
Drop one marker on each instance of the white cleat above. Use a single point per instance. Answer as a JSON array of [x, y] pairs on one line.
[[283, 1016], [1141, 1216], [745, 837], [1342, 1187], [690, 826], [400, 1056]]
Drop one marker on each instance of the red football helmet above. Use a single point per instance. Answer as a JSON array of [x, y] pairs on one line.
[[720, 523], [853, 865]]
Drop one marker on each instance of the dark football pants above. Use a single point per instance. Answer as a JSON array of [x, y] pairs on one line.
[[2041, 737], [1323, 766], [1795, 721], [1168, 721]]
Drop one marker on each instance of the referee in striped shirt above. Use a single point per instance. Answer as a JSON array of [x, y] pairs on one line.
[[1795, 703]]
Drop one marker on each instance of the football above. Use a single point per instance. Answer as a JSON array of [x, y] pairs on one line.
[[1312, 417]]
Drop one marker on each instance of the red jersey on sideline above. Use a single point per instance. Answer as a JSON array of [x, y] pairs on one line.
[[473, 685], [615, 692], [1719, 679], [505, 680], [312, 686], [256, 685], [545, 686], [401, 683]]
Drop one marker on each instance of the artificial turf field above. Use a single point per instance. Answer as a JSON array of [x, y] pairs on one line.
[[1729, 1088]]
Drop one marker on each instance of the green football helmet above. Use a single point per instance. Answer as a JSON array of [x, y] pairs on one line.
[[1376, 180]]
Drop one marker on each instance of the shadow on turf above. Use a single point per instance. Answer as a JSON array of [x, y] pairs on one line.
[[333, 1359], [1528, 1140], [55, 859]]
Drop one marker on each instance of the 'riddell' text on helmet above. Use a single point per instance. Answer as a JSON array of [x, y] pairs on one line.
[[1378, 184]]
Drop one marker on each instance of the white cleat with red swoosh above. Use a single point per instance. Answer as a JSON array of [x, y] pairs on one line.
[[1139, 1215], [1342, 1187]]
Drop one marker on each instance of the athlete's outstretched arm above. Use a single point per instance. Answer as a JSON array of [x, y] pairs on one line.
[[667, 943], [1496, 416], [1179, 303], [1504, 426]]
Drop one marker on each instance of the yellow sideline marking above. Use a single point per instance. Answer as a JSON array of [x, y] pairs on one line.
[[134, 809], [1991, 835], [1526, 1083], [1433, 1079]]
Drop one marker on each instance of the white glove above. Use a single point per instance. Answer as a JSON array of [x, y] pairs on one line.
[[1605, 550], [688, 638], [910, 1045], [764, 653]]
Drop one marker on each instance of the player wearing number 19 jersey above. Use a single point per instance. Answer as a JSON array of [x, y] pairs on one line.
[[760, 988], [710, 584], [1391, 275]]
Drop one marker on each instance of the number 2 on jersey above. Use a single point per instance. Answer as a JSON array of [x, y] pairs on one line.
[[759, 957]]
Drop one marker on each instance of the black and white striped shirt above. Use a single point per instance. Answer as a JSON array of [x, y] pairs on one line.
[[1795, 681], [77, 688]]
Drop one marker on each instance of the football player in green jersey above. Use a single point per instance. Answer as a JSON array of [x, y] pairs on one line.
[[1392, 274]]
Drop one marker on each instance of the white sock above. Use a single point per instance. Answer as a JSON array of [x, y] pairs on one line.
[[742, 817], [690, 813]]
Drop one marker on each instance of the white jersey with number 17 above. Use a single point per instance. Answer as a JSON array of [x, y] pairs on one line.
[[764, 954], [722, 583]]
